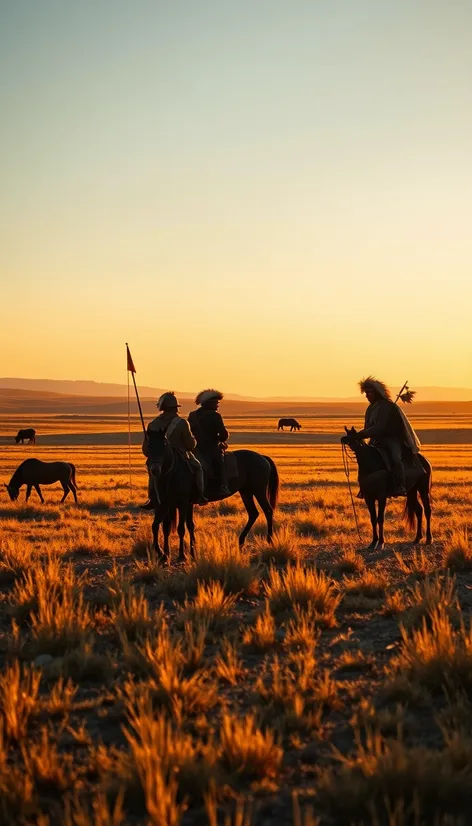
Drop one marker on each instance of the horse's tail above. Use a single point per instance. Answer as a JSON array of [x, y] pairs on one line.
[[273, 486], [72, 474], [409, 512]]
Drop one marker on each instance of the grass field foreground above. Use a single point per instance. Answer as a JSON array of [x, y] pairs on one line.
[[311, 683]]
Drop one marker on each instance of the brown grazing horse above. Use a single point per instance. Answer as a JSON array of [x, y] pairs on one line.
[[291, 423], [375, 482], [34, 473], [176, 489], [29, 433]]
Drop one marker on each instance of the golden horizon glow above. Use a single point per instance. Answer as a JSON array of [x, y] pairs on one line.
[[272, 201]]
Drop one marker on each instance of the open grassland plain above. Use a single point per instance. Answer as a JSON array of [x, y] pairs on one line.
[[311, 682]]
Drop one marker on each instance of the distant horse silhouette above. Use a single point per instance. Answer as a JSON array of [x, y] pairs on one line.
[[176, 489], [34, 473], [291, 423], [29, 433], [375, 482]]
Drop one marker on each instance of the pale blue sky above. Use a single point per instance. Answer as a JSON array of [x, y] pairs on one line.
[[283, 184]]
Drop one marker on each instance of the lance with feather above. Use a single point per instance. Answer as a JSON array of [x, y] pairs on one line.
[[405, 394]]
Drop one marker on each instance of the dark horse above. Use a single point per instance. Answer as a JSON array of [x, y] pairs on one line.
[[291, 423], [176, 489], [29, 433], [34, 473], [375, 482]]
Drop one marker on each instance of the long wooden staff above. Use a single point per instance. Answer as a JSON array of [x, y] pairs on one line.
[[132, 370]]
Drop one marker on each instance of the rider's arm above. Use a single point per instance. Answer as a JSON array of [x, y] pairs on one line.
[[370, 432], [381, 426], [145, 446], [223, 434], [187, 438]]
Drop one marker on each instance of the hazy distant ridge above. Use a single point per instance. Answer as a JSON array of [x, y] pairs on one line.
[[105, 389]]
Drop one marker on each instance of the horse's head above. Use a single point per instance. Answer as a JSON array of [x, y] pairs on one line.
[[13, 492], [351, 438], [17, 438], [158, 451]]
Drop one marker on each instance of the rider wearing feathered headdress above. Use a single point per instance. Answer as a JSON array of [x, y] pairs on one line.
[[387, 426], [210, 432]]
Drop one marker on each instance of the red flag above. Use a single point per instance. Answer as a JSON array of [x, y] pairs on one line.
[[129, 361]]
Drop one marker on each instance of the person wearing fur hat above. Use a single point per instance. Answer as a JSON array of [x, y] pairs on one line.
[[210, 432], [387, 426], [177, 432]]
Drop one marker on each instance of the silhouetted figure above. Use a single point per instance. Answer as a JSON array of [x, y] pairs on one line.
[[254, 476], [34, 473], [376, 486], [177, 433], [29, 433], [291, 423], [208, 428], [387, 427]]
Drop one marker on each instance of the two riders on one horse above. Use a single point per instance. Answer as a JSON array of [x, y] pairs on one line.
[[204, 431], [388, 429]]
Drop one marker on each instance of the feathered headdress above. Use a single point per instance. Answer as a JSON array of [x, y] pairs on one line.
[[208, 395], [376, 385]]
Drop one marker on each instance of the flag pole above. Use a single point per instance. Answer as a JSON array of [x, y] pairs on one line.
[[132, 369], [129, 443]]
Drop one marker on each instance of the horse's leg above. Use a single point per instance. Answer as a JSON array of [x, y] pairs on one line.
[[166, 525], [373, 521], [191, 530], [74, 491], [426, 500], [252, 514], [181, 533], [155, 534], [65, 487], [28, 492], [38, 491], [268, 512], [380, 520]]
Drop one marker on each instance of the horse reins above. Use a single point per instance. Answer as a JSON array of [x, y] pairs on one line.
[[347, 472]]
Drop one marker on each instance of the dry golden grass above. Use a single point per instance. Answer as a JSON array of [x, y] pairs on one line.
[[213, 690], [303, 588], [458, 550]]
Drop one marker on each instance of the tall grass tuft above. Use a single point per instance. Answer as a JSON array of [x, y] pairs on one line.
[[285, 547], [436, 654], [247, 750], [458, 550], [303, 587], [19, 687], [261, 635], [221, 560]]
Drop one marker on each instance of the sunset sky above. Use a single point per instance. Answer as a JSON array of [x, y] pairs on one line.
[[273, 197]]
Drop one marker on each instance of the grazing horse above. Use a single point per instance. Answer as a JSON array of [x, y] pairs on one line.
[[291, 423], [376, 481], [34, 473], [29, 433], [176, 492]]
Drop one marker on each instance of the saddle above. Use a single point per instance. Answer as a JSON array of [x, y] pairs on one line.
[[231, 466], [412, 465]]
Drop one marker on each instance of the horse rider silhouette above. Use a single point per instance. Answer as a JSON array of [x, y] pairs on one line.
[[387, 427], [177, 433], [210, 432]]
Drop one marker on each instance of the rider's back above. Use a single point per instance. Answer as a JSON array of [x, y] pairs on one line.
[[207, 427]]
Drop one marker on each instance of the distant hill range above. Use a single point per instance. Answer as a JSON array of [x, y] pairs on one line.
[[26, 404], [107, 390]]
